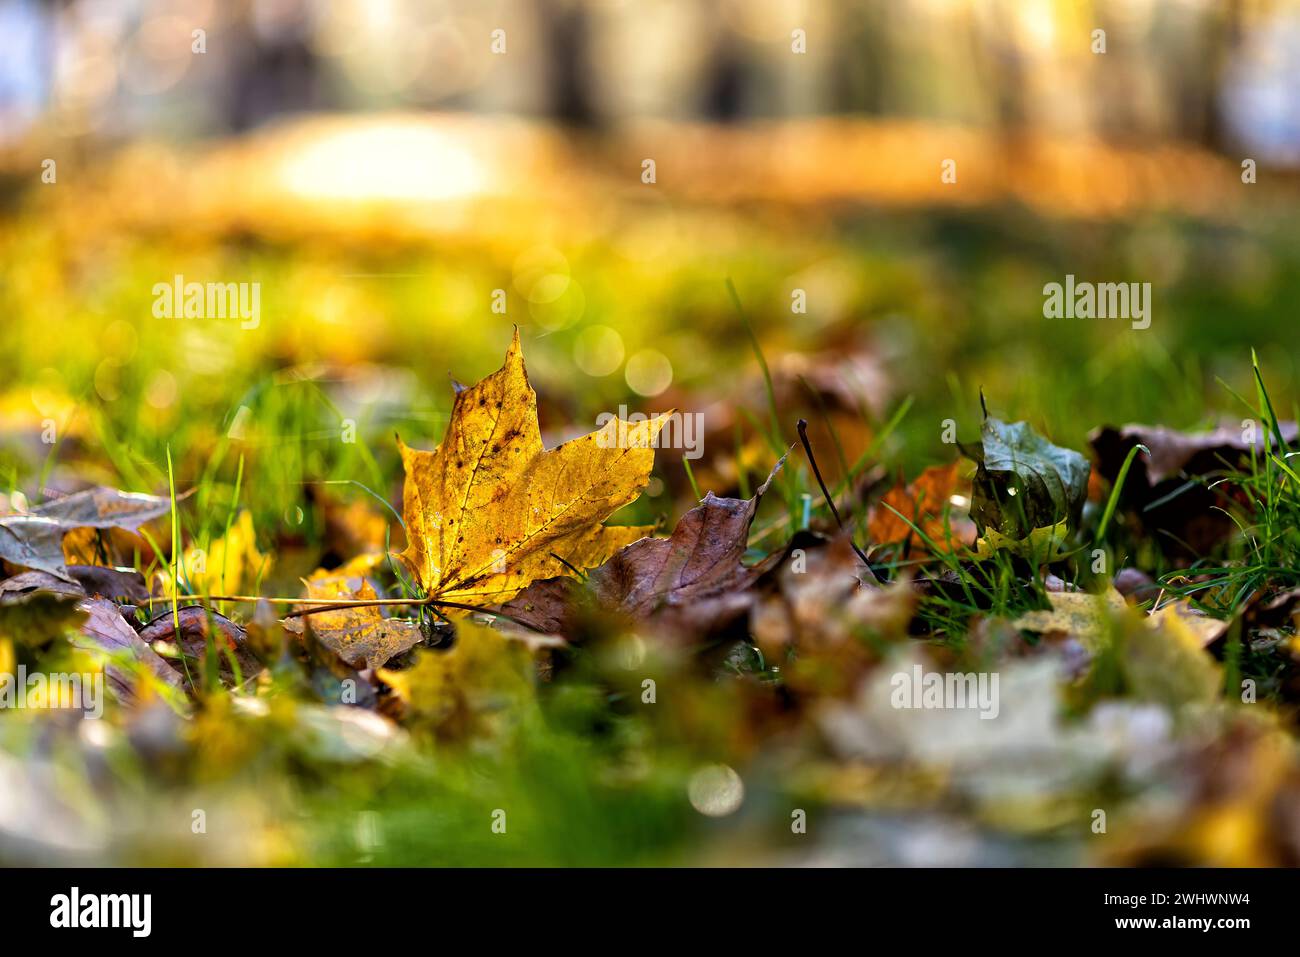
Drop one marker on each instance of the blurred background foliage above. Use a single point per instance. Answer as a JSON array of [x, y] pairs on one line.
[[380, 172]]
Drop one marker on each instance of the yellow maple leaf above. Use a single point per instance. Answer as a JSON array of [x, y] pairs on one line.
[[489, 510]]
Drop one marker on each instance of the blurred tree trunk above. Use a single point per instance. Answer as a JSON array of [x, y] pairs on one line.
[[567, 35]]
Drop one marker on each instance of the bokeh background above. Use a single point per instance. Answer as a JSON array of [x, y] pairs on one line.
[[380, 171]]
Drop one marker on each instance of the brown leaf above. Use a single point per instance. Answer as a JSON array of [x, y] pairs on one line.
[[820, 624], [695, 576], [124, 586], [26, 582], [35, 539], [196, 624], [924, 503], [1175, 453], [106, 631], [1157, 488], [362, 637]]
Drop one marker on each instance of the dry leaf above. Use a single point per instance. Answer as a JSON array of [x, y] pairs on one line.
[[1157, 489], [35, 539], [923, 502], [1196, 627], [1164, 660], [107, 632], [821, 625], [1079, 614], [362, 637], [696, 573], [488, 511], [196, 624]]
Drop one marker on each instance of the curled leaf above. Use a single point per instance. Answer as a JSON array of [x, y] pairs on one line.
[[1024, 482], [362, 637], [35, 539]]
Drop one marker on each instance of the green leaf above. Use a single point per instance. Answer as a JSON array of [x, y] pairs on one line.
[[1024, 482]]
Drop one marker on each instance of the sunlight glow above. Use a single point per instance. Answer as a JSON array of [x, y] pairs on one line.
[[387, 160]]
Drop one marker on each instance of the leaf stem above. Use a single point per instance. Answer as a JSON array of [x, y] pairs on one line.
[[318, 605]]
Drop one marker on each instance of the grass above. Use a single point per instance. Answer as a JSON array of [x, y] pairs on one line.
[[949, 303]]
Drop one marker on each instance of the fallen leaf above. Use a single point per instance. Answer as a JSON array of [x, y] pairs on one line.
[[1078, 614], [125, 586], [196, 625], [1160, 657], [332, 678], [490, 509], [696, 573], [1174, 453], [26, 582], [818, 623], [1195, 627], [362, 637], [1163, 660], [1040, 547], [1168, 490], [124, 653], [35, 539], [1024, 482], [924, 502]]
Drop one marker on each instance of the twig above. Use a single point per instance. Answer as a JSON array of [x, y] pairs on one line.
[[253, 599], [802, 425], [318, 605]]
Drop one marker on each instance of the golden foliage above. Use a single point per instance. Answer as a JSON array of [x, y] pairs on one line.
[[489, 510]]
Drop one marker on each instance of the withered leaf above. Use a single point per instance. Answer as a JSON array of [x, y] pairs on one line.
[[1078, 614], [1169, 489], [490, 510], [35, 539], [121, 585], [1175, 453], [196, 625], [105, 631], [696, 573], [924, 502], [362, 637], [820, 623]]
